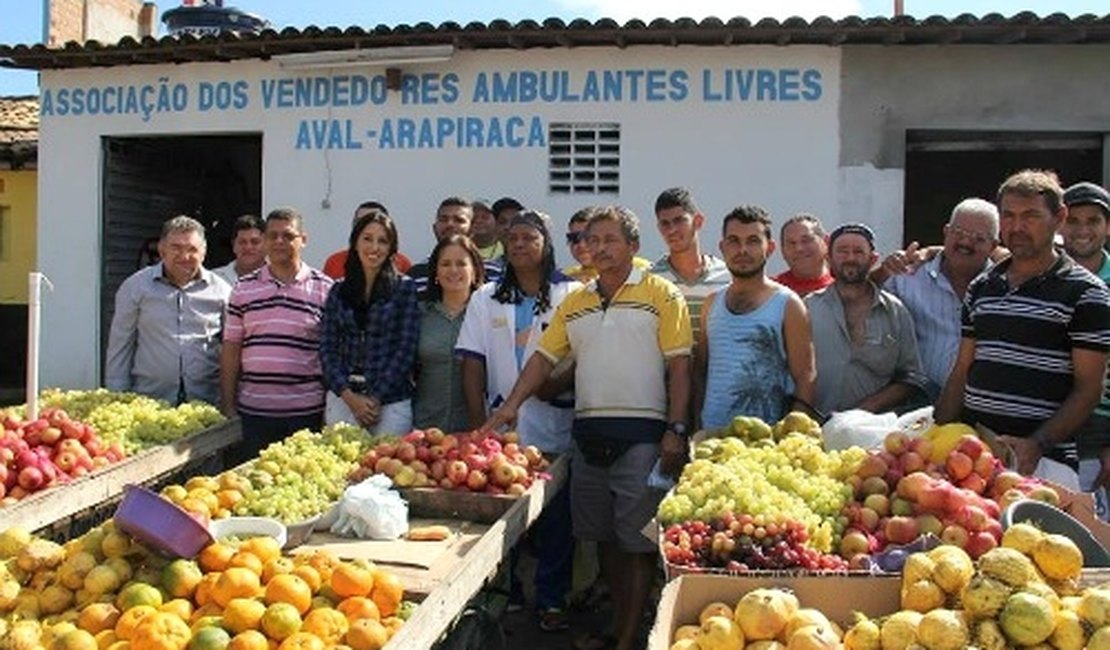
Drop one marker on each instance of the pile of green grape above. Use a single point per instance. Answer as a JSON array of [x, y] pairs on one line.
[[794, 478], [136, 422], [301, 476]]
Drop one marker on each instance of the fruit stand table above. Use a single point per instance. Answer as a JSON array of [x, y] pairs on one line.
[[50, 507], [486, 528]]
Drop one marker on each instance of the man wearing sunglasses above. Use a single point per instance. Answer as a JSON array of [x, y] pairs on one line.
[[934, 290], [584, 270]]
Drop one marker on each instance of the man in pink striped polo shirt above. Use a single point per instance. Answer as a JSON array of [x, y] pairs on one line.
[[270, 371]]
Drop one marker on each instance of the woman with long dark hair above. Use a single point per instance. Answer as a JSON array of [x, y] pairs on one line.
[[456, 271], [369, 332], [502, 329]]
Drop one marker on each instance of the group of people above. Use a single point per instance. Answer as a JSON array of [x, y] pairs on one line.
[[616, 359]]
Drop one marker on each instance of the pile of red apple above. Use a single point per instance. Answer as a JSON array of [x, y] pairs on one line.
[[479, 461], [52, 449], [900, 495]]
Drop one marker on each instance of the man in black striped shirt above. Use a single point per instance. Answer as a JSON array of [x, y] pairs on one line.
[[1036, 331]]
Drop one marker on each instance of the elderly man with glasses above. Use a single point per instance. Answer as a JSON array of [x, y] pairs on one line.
[[934, 290]]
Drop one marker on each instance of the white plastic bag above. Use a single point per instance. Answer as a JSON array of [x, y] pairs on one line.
[[371, 510], [857, 427]]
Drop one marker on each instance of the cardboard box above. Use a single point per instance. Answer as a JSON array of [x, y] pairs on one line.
[[836, 596]]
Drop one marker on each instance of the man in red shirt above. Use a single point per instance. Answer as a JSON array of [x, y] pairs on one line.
[[335, 265], [805, 249]]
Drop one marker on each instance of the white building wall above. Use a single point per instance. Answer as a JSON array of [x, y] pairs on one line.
[[775, 151]]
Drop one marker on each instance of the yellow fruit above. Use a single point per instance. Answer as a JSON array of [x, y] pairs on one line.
[[138, 593], [101, 580], [988, 635], [687, 632], [367, 634], [97, 617], [120, 645], [276, 567], [302, 641], [1046, 592], [180, 578], [73, 570], [12, 542], [1022, 537], [121, 567], [943, 629], [1058, 557], [115, 544], [288, 588], [387, 592], [720, 633], [179, 607], [249, 640], [263, 547], [161, 631], [215, 557], [247, 560], [984, 596], [953, 568], [899, 630], [24, 635], [763, 613], [309, 574], [712, 609], [206, 611], [55, 599], [1026, 619], [9, 591], [209, 638], [922, 596], [690, 644], [918, 566], [813, 637], [357, 607], [175, 493], [864, 635], [349, 580], [236, 582], [130, 620], [1094, 607], [242, 614], [1008, 565], [281, 620], [1068, 633], [1100, 640], [328, 624], [105, 638], [804, 617], [754, 645], [945, 438], [75, 640]]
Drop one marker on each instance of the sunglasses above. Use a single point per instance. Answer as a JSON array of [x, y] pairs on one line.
[[576, 237]]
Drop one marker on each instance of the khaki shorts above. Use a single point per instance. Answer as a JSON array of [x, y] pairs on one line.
[[613, 504]]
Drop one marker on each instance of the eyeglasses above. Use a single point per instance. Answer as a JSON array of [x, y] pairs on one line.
[[576, 237], [977, 237]]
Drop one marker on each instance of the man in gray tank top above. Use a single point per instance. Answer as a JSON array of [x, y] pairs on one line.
[[754, 353]]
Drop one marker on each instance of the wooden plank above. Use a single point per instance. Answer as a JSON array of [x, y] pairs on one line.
[[50, 506], [441, 608]]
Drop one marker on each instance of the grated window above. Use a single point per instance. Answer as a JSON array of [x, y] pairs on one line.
[[584, 158]]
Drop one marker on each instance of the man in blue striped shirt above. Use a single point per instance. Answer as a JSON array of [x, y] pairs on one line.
[[934, 291], [1036, 331]]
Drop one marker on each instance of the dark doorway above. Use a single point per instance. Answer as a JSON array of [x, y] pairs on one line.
[[213, 179], [945, 167]]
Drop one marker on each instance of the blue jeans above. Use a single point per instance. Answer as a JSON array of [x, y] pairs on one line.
[[552, 543]]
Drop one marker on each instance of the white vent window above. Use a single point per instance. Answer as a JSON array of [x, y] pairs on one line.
[[584, 158]]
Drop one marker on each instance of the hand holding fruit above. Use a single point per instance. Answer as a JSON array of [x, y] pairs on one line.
[[504, 416]]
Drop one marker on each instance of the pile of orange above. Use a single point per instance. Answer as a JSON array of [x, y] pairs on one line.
[[248, 597]]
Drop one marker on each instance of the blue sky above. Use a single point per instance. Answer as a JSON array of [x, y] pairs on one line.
[[24, 24]]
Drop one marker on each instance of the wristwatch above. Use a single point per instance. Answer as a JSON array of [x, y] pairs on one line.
[[679, 429]]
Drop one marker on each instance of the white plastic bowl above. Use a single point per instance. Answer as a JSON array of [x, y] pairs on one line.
[[248, 527]]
